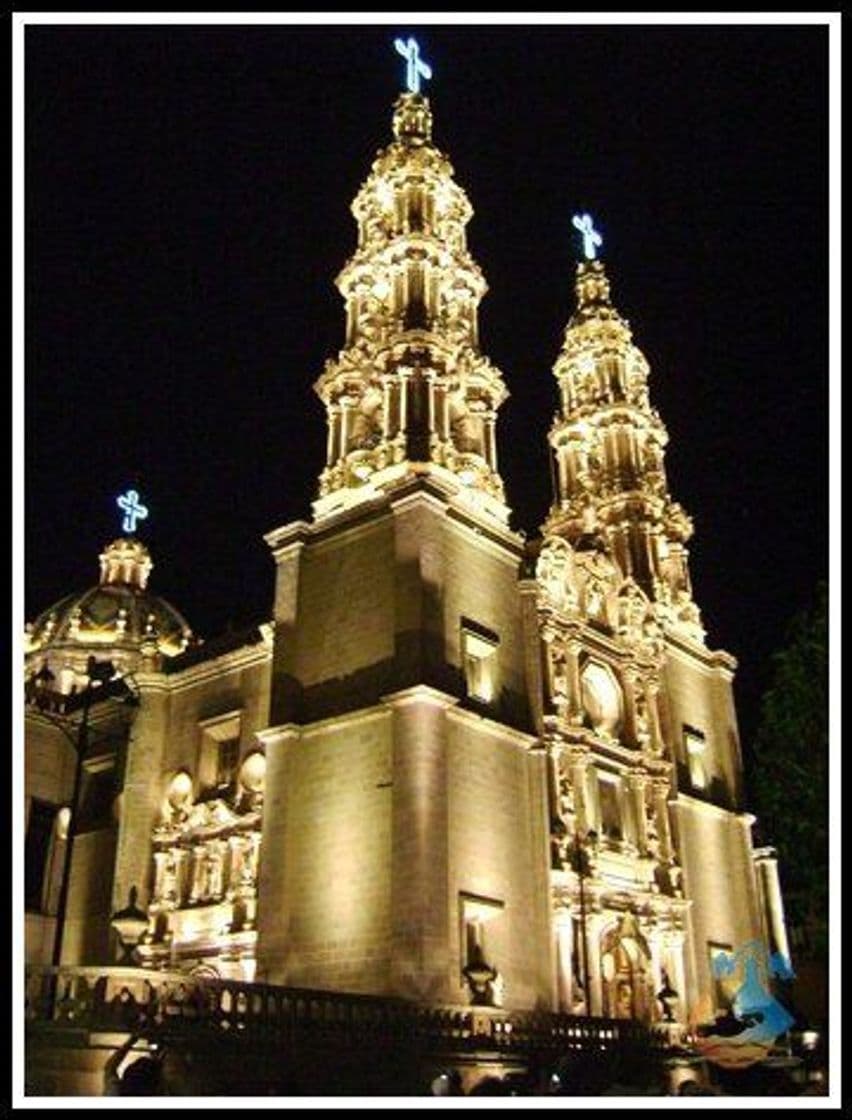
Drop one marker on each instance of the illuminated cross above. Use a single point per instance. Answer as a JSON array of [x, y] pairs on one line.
[[416, 67], [133, 511], [591, 237]]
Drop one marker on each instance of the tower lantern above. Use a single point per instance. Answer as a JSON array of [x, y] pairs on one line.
[[608, 444], [411, 393]]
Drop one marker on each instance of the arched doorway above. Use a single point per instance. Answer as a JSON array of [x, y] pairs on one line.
[[626, 976]]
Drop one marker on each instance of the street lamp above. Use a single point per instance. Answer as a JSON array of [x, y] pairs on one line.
[[98, 673], [581, 866]]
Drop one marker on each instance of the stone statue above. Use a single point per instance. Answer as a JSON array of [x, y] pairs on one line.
[[558, 677], [480, 977]]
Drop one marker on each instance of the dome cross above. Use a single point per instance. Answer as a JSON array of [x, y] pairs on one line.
[[591, 237], [133, 511], [416, 67]]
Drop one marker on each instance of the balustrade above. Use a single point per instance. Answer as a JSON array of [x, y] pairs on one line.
[[131, 999]]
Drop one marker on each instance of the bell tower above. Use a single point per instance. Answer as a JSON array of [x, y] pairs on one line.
[[408, 838], [411, 393], [608, 444], [637, 716]]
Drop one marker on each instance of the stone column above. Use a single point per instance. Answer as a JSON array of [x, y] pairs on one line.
[[578, 764], [572, 668], [403, 401], [553, 752], [215, 869], [182, 871], [236, 852], [253, 853], [561, 472], [490, 441], [556, 674], [594, 928], [628, 683], [677, 973], [657, 963], [160, 860], [333, 444], [440, 395], [680, 973], [564, 953], [661, 798], [344, 427], [422, 931], [637, 784], [769, 891], [651, 553], [198, 869], [386, 407], [593, 801], [547, 636], [657, 744]]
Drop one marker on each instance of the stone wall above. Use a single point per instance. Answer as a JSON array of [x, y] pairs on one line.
[[391, 793], [718, 877], [324, 889]]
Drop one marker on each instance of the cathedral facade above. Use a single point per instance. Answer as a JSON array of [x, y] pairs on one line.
[[455, 765]]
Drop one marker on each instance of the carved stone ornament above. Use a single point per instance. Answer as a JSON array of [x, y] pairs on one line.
[[631, 609], [598, 577], [555, 574]]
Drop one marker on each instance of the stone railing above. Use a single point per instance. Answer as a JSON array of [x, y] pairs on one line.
[[132, 999]]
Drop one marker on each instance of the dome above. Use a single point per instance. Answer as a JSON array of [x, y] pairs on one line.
[[117, 619]]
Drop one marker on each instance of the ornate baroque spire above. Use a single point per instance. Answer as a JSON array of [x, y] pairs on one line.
[[608, 446], [410, 392]]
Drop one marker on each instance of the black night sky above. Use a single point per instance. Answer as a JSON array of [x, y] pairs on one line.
[[187, 210]]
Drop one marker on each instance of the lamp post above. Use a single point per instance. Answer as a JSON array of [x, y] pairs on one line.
[[98, 673], [580, 865]]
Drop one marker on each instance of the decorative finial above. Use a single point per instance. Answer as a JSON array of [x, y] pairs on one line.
[[591, 237], [416, 68], [133, 511]]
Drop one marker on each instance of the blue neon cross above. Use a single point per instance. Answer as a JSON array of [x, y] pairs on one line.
[[416, 66], [591, 237], [133, 511]]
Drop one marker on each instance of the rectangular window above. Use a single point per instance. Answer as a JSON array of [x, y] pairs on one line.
[[476, 916], [37, 849], [219, 757], [695, 747], [479, 661], [228, 757], [609, 798], [721, 986], [97, 795]]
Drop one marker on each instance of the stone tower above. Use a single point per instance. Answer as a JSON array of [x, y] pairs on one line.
[[411, 393], [403, 832], [608, 445], [637, 713]]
